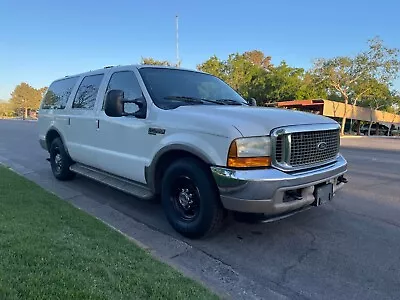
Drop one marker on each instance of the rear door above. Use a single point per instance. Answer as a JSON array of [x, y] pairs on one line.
[[82, 124], [53, 112]]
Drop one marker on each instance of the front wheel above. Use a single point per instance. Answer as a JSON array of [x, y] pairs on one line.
[[190, 199]]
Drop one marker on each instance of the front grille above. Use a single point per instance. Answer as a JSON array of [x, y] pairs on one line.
[[302, 149], [279, 148]]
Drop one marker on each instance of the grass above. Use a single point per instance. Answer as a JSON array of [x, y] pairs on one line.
[[52, 250]]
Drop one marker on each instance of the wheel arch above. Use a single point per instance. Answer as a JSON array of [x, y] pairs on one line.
[[165, 157], [52, 134]]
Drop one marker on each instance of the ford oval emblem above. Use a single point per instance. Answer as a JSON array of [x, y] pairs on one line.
[[322, 146]]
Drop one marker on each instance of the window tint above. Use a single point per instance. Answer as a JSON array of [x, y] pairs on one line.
[[86, 96], [58, 93], [125, 81], [163, 84]]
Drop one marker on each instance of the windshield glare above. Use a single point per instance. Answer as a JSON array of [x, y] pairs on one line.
[[163, 83]]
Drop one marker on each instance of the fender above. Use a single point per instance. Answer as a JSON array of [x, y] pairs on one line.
[[150, 171], [52, 128]]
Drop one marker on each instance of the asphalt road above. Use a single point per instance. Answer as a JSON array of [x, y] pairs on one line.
[[347, 249]]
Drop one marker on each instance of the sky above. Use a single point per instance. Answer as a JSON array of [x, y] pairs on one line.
[[44, 40]]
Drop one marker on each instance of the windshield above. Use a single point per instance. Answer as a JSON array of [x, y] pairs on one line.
[[170, 88]]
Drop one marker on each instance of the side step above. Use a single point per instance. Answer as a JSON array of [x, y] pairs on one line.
[[119, 183]]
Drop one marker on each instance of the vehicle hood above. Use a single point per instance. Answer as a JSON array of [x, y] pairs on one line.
[[250, 121]]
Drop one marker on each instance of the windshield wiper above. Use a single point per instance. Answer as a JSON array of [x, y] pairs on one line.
[[229, 102], [192, 99]]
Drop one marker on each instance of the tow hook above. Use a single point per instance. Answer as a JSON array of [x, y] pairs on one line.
[[342, 179]]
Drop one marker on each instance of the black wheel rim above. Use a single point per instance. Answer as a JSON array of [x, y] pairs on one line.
[[57, 160], [185, 198]]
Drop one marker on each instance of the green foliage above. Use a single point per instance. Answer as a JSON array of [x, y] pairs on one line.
[[283, 82], [152, 61], [214, 66], [258, 58], [26, 97], [243, 75], [6, 109], [252, 75]]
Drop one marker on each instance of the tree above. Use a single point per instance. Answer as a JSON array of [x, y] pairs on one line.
[[152, 61], [25, 97], [213, 66], [5, 109], [259, 59], [378, 98], [283, 82], [311, 88], [243, 75], [395, 107], [352, 78], [252, 75]]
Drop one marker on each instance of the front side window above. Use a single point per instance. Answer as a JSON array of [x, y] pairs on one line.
[[125, 81], [170, 88], [86, 96], [58, 93]]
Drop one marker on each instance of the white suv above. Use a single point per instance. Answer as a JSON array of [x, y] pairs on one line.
[[191, 139]]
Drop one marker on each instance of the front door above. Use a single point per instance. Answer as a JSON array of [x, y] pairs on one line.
[[123, 142]]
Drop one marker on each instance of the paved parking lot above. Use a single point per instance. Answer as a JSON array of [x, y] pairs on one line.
[[347, 249]]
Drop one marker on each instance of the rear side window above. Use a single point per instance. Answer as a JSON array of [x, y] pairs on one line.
[[58, 93], [86, 96]]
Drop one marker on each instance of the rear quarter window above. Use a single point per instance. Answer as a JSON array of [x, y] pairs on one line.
[[58, 93], [86, 95]]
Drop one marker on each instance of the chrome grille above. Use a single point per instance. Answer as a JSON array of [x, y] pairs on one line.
[[297, 150], [305, 150], [279, 148]]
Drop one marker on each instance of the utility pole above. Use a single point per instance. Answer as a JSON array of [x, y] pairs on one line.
[[178, 63]]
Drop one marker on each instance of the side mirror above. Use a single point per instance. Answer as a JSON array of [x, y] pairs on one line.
[[252, 102], [115, 105]]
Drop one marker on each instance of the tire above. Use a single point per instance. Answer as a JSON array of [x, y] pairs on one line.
[[60, 161], [190, 199]]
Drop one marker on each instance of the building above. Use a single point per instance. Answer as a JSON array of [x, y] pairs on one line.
[[336, 110]]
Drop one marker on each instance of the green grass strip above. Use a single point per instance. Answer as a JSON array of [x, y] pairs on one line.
[[52, 250]]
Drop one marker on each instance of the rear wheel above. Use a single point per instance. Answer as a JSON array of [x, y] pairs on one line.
[[60, 161], [190, 199]]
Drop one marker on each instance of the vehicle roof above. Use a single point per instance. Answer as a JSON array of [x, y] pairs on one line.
[[116, 68]]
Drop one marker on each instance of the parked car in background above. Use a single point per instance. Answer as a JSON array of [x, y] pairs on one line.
[[190, 139], [383, 130]]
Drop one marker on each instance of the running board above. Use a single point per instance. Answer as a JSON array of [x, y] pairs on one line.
[[119, 183]]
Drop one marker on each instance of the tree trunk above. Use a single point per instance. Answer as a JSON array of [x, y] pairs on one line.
[[358, 127], [390, 127], [25, 113], [352, 115], [369, 128], [346, 101], [343, 124]]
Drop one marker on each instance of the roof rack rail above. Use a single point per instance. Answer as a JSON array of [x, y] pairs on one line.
[[107, 67]]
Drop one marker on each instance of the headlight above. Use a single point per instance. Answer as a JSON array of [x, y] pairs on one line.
[[251, 152]]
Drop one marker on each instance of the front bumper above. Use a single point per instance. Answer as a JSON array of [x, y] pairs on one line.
[[268, 191]]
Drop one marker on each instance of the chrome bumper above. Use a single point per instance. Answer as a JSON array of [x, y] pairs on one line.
[[264, 191]]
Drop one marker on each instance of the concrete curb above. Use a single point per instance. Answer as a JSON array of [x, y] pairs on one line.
[[194, 263], [369, 137]]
